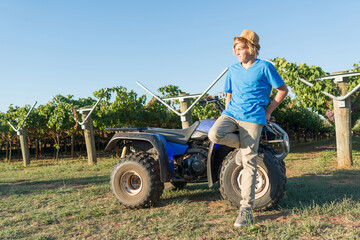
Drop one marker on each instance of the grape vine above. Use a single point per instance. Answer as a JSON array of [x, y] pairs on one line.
[[303, 114]]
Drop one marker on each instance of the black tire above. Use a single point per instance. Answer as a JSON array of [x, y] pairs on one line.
[[135, 181], [271, 180]]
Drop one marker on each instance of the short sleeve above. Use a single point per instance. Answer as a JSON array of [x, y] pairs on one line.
[[228, 87], [273, 76]]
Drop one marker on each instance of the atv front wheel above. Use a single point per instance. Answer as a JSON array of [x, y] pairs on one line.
[[135, 181], [270, 180]]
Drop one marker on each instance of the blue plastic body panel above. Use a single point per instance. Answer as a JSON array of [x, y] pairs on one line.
[[172, 149], [178, 149], [205, 125]]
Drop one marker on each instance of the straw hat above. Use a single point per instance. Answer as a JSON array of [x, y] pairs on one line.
[[250, 36]]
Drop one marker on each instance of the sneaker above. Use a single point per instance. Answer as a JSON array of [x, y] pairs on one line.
[[244, 218]]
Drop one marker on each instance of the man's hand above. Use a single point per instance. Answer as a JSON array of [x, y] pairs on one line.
[[267, 116], [279, 97]]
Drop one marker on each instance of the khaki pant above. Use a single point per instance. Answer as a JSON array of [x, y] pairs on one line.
[[222, 132]]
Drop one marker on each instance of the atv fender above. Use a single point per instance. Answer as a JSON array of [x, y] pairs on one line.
[[154, 140]]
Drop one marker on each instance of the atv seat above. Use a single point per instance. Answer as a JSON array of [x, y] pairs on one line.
[[180, 136]]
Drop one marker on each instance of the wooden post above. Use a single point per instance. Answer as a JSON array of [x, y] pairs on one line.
[[89, 137], [342, 113], [7, 150], [24, 147], [36, 149], [72, 145], [186, 120]]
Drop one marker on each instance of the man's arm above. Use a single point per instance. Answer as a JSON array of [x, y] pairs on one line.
[[227, 100], [279, 97]]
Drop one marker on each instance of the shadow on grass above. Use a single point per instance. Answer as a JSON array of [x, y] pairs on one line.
[[329, 144], [311, 189], [199, 192], [305, 191], [302, 191], [33, 187]]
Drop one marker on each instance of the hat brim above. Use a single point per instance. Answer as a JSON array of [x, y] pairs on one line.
[[239, 38]]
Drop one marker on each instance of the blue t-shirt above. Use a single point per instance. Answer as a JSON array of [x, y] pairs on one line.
[[251, 89]]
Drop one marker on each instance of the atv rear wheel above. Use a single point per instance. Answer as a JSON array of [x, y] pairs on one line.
[[270, 180], [135, 181]]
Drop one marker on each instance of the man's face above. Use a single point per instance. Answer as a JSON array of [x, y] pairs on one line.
[[241, 51]]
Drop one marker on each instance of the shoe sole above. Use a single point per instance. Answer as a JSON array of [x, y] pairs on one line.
[[242, 225]]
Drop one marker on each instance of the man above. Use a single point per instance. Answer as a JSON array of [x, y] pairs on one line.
[[248, 86]]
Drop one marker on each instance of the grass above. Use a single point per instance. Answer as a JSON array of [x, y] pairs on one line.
[[70, 200]]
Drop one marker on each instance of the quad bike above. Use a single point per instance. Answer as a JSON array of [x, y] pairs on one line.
[[180, 156]]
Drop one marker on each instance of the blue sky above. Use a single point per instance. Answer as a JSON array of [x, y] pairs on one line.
[[79, 46]]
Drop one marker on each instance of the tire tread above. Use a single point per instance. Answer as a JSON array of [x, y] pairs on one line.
[[279, 163], [153, 169]]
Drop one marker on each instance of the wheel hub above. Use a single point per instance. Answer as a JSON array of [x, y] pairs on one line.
[[131, 183], [261, 185]]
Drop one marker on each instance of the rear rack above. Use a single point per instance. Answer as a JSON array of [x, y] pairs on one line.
[[126, 128]]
